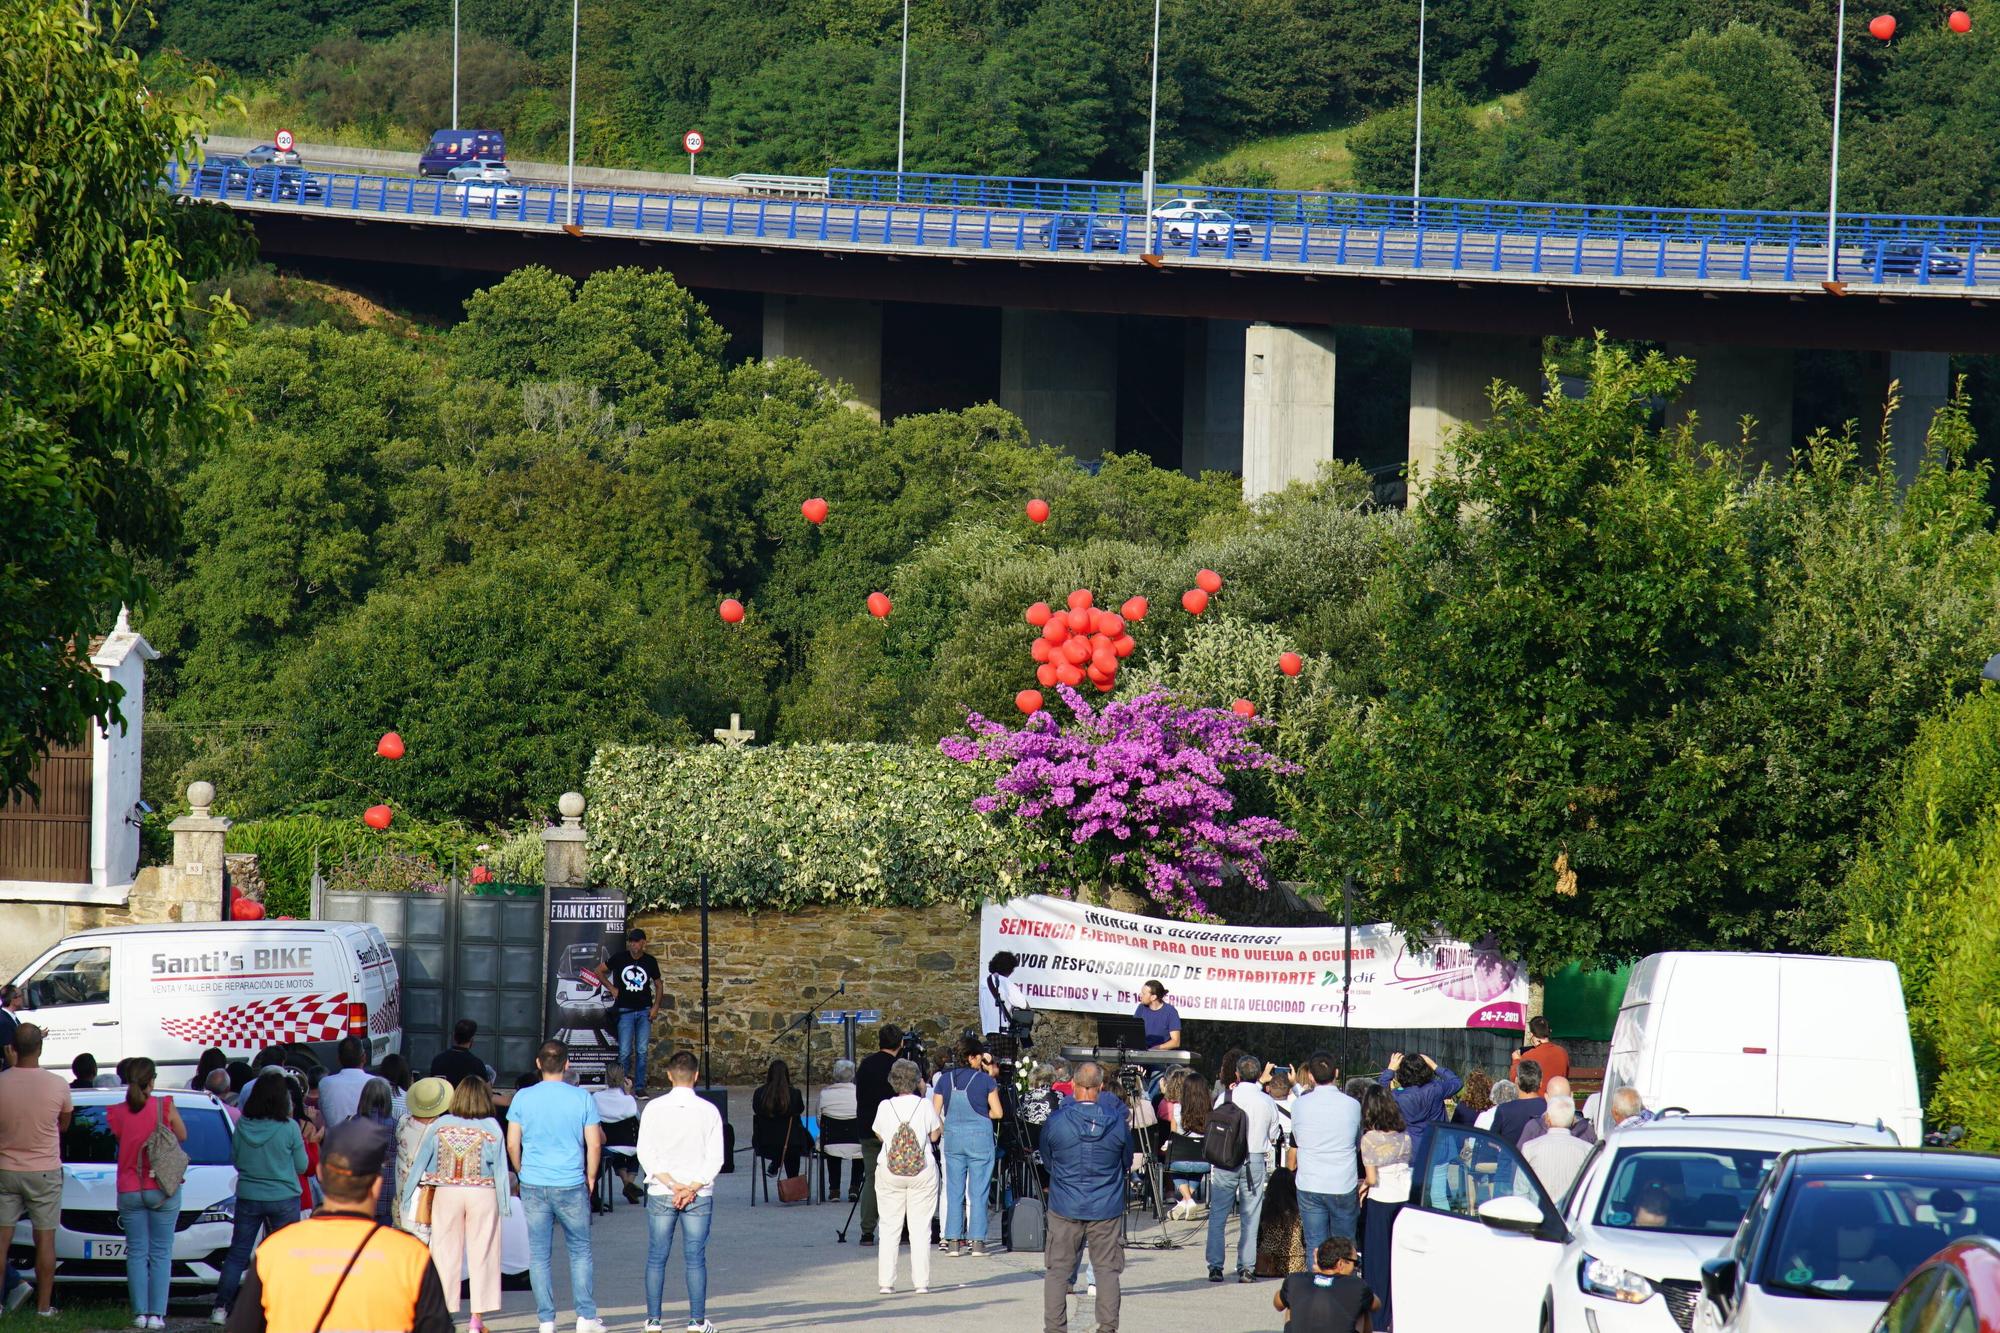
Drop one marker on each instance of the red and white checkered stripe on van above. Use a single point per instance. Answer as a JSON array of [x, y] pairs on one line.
[[251, 1027]]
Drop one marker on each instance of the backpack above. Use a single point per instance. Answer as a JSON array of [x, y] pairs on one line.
[[1025, 1224], [905, 1155], [1227, 1143]]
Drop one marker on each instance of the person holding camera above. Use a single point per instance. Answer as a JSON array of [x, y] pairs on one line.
[[968, 1102], [1003, 1006]]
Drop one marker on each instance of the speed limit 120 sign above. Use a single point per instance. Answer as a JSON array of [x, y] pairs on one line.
[[283, 140], [693, 142]]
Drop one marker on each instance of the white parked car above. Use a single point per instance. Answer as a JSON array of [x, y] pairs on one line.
[[1182, 220], [90, 1246], [1621, 1254], [487, 196]]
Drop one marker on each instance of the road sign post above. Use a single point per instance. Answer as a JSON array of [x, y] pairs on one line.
[[282, 141], [694, 143]]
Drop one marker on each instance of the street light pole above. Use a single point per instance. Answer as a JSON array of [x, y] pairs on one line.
[[1153, 128], [1417, 173], [454, 64], [903, 99], [575, 22], [1833, 171]]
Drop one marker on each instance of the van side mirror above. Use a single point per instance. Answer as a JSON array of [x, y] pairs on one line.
[[1718, 1280], [1511, 1212]]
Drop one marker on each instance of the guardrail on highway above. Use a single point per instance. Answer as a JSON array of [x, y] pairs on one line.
[[1793, 261], [1327, 209]]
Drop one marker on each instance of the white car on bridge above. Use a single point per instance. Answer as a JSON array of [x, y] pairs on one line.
[[1183, 220], [485, 196], [1622, 1253]]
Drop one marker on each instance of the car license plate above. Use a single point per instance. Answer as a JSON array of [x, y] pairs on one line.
[[104, 1249]]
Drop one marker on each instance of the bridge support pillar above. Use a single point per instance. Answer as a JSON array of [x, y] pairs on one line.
[[1731, 383], [840, 339], [1287, 406], [1924, 381], [1449, 376], [1212, 397], [1059, 374]]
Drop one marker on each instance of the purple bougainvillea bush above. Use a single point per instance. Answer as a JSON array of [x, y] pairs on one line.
[[1136, 792]]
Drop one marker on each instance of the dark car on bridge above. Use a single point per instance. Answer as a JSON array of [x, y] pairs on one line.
[[1905, 259], [285, 183], [218, 175], [1080, 231], [451, 148]]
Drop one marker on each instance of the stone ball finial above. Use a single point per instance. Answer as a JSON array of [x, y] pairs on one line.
[[201, 795], [571, 805]]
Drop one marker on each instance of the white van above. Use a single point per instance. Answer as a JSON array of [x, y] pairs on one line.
[[171, 992], [1767, 1034]]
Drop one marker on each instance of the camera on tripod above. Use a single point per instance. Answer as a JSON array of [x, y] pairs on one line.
[[912, 1050]]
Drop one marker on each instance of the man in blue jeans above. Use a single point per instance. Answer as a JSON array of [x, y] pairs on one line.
[[555, 1143], [1243, 1188], [680, 1151], [1326, 1127], [635, 980]]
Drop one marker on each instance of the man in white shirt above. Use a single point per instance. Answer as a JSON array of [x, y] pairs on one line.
[[680, 1150], [1243, 1188], [999, 996], [1326, 1125], [1559, 1154], [340, 1094]]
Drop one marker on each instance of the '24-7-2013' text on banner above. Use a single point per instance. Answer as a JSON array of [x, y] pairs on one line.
[[1093, 960]]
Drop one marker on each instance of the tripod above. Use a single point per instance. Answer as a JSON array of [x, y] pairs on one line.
[[840, 1236]]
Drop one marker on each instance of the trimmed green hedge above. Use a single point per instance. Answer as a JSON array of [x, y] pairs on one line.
[[783, 827]]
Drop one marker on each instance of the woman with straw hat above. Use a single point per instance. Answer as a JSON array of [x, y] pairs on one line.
[[427, 1099]]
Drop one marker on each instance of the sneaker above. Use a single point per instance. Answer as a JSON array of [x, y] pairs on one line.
[[867, 1238], [51, 1313], [888, 1291], [159, 1322], [654, 1326], [703, 1327], [589, 1325], [1245, 1275], [979, 1249], [545, 1328], [218, 1316], [633, 1194], [923, 1291], [1215, 1275]]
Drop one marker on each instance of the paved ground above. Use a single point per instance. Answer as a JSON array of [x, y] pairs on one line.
[[772, 1268]]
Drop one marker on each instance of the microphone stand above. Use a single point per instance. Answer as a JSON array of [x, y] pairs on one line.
[[805, 1020]]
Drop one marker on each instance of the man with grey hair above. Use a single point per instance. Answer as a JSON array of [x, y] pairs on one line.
[[1534, 1129], [1628, 1108], [1559, 1154], [1087, 1144]]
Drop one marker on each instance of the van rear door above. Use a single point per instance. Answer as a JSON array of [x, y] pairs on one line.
[[1844, 1045], [1715, 1035]]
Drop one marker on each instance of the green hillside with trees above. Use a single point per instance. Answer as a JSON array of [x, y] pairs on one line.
[[1696, 102]]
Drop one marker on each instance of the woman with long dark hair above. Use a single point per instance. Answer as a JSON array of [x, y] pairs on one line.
[[1189, 1125], [777, 1125], [1385, 1158], [377, 1103], [270, 1157], [146, 1212]]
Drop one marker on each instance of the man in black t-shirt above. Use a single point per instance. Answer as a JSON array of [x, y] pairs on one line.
[[635, 978], [459, 1063], [871, 1089], [1330, 1299]]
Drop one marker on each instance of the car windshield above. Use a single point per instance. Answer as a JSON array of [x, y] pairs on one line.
[[89, 1137], [1858, 1239], [1690, 1191]]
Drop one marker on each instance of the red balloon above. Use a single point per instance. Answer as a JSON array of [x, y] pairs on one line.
[[1038, 614], [1194, 601], [1960, 21], [1244, 708], [390, 746], [814, 510], [1105, 661], [1208, 581], [1134, 609], [377, 816], [1883, 26], [1046, 674], [481, 875], [731, 611], [1040, 650], [1123, 647], [243, 909], [1080, 620], [1029, 701], [1069, 674], [879, 605], [1057, 630], [1080, 599], [1290, 663], [1077, 651], [1038, 511], [1106, 685]]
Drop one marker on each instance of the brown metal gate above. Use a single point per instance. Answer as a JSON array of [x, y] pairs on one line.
[[49, 840]]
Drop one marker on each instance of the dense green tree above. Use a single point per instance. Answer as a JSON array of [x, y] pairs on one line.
[[1761, 79], [1672, 139], [110, 367]]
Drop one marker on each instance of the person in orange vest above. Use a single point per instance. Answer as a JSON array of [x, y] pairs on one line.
[[341, 1268]]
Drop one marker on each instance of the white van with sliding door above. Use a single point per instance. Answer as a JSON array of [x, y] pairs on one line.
[[1767, 1034], [171, 992]]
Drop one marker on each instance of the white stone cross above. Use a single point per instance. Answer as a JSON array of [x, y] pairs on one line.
[[734, 736]]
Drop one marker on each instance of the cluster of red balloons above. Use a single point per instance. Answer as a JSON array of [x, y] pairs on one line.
[[378, 816], [1081, 643], [1206, 584], [244, 909], [1883, 26]]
